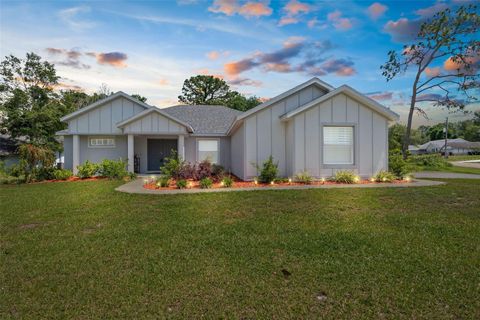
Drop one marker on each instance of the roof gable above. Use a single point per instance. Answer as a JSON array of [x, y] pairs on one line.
[[101, 102], [349, 91], [314, 81], [154, 110]]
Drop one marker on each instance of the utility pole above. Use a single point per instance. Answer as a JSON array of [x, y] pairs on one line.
[[445, 152]]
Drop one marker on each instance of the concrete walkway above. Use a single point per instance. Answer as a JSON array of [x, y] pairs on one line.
[[136, 186], [467, 164], [445, 175]]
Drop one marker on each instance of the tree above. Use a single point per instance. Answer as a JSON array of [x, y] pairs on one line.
[[139, 97], [449, 36], [28, 103], [396, 136], [202, 89]]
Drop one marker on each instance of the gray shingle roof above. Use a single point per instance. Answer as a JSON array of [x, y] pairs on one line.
[[205, 119]]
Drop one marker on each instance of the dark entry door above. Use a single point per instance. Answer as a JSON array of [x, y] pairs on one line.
[[158, 150]]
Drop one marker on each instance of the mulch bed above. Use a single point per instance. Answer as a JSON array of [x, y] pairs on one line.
[[238, 184], [70, 180]]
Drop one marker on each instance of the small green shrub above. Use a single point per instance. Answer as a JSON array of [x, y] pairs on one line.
[[281, 180], [12, 180], [217, 170], [163, 181], [62, 174], [345, 176], [181, 184], [269, 171], [206, 183], [397, 165], [384, 176], [172, 165], [42, 173], [87, 170], [227, 182], [303, 177], [113, 169]]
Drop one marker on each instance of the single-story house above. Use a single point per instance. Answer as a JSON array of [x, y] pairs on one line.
[[454, 147], [312, 127]]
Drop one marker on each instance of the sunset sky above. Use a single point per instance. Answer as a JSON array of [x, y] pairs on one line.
[[260, 48]]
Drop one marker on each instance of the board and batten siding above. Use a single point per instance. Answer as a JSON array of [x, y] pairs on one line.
[[104, 119], [370, 137], [154, 123], [237, 155], [265, 134]]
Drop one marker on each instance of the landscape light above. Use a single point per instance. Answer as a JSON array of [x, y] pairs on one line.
[[221, 183], [289, 180], [255, 181], [323, 180], [272, 182], [372, 179], [384, 179], [408, 179], [356, 179]]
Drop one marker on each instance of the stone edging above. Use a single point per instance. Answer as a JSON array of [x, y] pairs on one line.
[[137, 187]]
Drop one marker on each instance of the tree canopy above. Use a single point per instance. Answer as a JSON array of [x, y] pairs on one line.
[[448, 38], [210, 90]]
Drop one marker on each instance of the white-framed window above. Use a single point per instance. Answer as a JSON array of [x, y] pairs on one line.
[[208, 149], [338, 145], [101, 142]]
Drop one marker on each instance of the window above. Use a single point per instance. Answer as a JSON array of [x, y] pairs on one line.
[[338, 145], [101, 142], [208, 149]]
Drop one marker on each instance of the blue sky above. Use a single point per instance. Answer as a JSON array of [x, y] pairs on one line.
[[258, 47]]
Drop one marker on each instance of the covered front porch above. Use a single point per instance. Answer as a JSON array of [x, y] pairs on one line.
[[146, 153]]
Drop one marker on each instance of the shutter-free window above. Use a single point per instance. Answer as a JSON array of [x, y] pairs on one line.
[[102, 142], [337, 145], [208, 149]]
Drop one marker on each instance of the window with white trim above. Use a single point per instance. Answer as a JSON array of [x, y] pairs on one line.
[[337, 145], [101, 142], [208, 149]]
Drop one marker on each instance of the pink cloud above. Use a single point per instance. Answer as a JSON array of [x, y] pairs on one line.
[[381, 96], [213, 55], [430, 11], [287, 20], [163, 82], [338, 21], [402, 29], [295, 7], [114, 59], [248, 10], [376, 10], [432, 72]]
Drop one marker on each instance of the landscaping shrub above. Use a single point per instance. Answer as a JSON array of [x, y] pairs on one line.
[[281, 180], [12, 179], [227, 182], [345, 176], [36, 162], [397, 165], [181, 184], [303, 177], [269, 171], [87, 170], [43, 173], [186, 171], [163, 181], [204, 170], [62, 174], [429, 161], [384, 176], [113, 169], [172, 165], [217, 170], [206, 183]]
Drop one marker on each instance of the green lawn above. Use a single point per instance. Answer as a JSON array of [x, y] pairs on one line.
[[464, 157], [455, 169], [81, 250]]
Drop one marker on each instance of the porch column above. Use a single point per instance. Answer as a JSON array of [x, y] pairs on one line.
[[75, 153], [130, 153], [181, 147]]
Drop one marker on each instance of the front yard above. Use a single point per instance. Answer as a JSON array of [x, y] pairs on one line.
[[82, 250]]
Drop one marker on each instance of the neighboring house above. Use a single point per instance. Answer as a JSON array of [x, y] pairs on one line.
[[313, 127], [9, 150], [454, 146]]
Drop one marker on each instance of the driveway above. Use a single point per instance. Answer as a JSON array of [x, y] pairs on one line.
[[446, 175]]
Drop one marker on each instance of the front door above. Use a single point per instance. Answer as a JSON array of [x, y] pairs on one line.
[[158, 150]]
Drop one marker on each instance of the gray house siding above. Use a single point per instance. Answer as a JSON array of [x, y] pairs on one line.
[[266, 135], [104, 119], [370, 137], [237, 152], [191, 153], [68, 152]]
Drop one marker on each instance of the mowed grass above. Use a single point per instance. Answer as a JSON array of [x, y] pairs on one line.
[[82, 250], [454, 169]]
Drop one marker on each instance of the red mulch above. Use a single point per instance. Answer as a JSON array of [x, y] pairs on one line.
[[249, 184], [70, 180]]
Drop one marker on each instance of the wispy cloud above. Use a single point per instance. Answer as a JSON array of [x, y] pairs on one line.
[[338, 21], [71, 17], [293, 9], [72, 58]]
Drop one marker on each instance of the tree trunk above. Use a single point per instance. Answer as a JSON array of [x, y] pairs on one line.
[[406, 139]]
